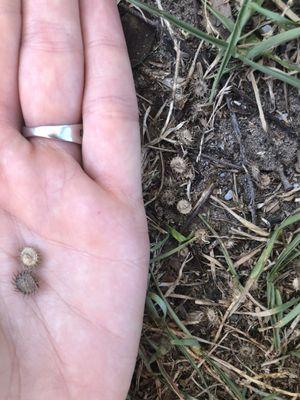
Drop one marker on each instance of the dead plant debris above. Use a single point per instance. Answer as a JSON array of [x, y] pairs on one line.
[[222, 192]]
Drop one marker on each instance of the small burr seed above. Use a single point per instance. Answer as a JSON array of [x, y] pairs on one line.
[[26, 283], [29, 257]]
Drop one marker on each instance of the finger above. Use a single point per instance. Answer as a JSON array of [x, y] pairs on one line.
[[111, 150], [10, 31], [51, 66]]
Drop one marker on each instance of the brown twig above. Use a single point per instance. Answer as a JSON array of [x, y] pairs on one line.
[[248, 181], [285, 182], [203, 199], [221, 163]]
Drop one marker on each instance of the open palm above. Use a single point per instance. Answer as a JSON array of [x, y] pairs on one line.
[[81, 208]]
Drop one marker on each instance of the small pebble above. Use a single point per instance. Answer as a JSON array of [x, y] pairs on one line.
[[266, 29], [229, 195]]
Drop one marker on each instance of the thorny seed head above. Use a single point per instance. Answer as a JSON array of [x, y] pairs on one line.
[[246, 352], [212, 317], [200, 88], [229, 244], [185, 137], [201, 236], [29, 257], [184, 206], [265, 181], [25, 282], [168, 197], [178, 165]]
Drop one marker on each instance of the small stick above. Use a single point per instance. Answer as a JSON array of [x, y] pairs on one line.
[[286, 184], [249, 183], [200, 203], [222, 163]]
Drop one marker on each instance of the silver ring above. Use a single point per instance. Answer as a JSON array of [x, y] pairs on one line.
[[67, 133]]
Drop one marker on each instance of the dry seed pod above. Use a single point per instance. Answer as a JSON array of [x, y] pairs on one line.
[[29, 257], [26, 283], [178, 165], [168, 197], [185, 137], [202, 237], [184, 207]]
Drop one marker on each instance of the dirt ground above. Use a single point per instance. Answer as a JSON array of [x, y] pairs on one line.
[[217, 161]]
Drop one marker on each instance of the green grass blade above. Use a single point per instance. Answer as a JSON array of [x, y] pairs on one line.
[[230, 384], [282, 76], [159, 301], [295, 353], [271, 296], [179, 237], [185, 342], [293, 219], [289, 317], [273, 41], [287, 261], [236, 393], [157, 246], [276, 331], [180, 24], [173, 251], [226, 22], [232, 42], [279, 19], [259, 266], [280, 307], [221, 44], [283, 257], [283, 63], [186, 354], [229, 262]]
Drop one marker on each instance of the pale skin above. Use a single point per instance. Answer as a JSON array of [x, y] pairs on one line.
[[81, 207]]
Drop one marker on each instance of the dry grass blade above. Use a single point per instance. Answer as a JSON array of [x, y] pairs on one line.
[[243, 221], [258, 102], [286, 10]]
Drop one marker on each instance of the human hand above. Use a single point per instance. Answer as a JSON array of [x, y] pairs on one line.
[[81, 208]]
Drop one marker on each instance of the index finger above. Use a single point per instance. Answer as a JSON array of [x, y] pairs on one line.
[[111, 143]]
